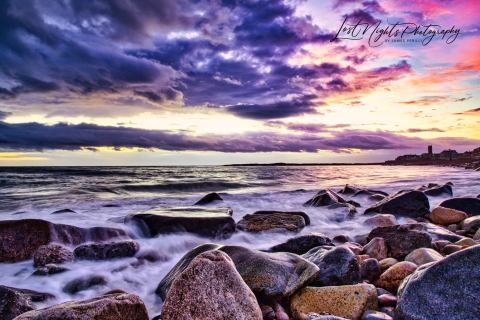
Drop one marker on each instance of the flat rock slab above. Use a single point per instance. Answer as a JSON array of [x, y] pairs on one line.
[[105, 251], [210, 288], [271, 222], [303, 243], [447, 289], [212, 222], [343, 301], [19, 239], [108, 307]]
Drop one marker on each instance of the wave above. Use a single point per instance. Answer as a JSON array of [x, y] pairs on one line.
[[185, 186]]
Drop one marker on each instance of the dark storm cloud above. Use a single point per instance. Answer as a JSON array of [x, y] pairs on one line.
[[35, 136], [280, 109], [4, 114]]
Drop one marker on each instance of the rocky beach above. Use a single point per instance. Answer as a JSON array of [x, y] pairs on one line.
[[277, 243]]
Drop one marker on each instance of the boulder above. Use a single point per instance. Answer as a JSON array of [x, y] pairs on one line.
[[471, 225], [338, 266], [390, 280], [376, 248], [446, 216], [349, 301], [349, 189], [63, 211], [402, 239], [210, 288], [301, 244], [84, 283], [423, 256], [469, 205], [451, 248], [437, 190], [413, 204], [324, 198], [182, 264], [105, 251], [295, 213], [271, 222], [271, 275], [14, 301], [387, 263], [476, 236], [52, 253], [19, 239], [381, 220], [204, 221], [208, 199], [437, 232], [387, 300], [370, 269], [466, 242], [49, 269], [107, 307], [447, 289]]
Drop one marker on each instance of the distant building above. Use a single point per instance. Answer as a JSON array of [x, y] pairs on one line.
[[448, 154], [430, 150]]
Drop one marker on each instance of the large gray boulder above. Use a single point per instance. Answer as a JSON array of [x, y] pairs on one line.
[[408, 203], [447, 289], [338, 266], [182, 264], [210, 288], [302, 244], [113, 306], [105, 251], [212, 222]]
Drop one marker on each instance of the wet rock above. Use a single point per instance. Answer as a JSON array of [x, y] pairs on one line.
[[411, 204], [381, 220], [440, 244], [49, 269], [182, 264], [369, 192], [19, 239], [271, 222], [437, 232], [436, 190], [402, 239], [63, 211], [210, 288], [446, 216], [349, 189], [393, 276], [375, 315], [376, 197], [52, 253], [208, 199], [476, 236], [376, 248], [325, 198], [267, 312], [348, 301], [370, 269], [423, 295], [204, 221], [316, 316], [107, 307], [387, 300], [466, 242], [355, 247], [471, 225], [301, 244], [341, 238], [14, 301], [84, 283], [387, 263], [271, 275], [105, 251], [338, 266], [423, 256], [451, 248], [295, 213], [361, 258], [280, 313], [469, 205]]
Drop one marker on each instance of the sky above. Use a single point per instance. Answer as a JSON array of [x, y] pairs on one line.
[[195, 82]]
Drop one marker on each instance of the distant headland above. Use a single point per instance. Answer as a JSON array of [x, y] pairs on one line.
[[467, 159]]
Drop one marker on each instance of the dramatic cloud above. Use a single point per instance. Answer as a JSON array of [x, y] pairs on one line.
[[35, 136], [415, 130], [426, 100], [471, 112]]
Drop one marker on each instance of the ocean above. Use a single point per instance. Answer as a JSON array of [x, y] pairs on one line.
[[98, 195]]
